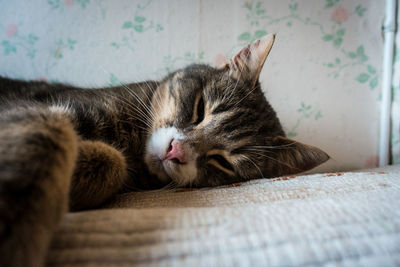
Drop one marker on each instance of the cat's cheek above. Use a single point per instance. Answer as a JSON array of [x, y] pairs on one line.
[[191, 173], [155, 167], [183, 175]]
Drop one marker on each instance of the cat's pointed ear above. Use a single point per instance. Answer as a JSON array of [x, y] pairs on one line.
[[295, 157], [247, 64]]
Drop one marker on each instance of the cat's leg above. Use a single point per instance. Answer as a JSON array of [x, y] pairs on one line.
[[99, 174], [38, 151]]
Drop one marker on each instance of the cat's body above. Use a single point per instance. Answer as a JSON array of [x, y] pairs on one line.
[[200, 126], [108, 115]]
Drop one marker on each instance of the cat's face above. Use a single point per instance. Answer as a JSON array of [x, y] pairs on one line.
[[213, 126]]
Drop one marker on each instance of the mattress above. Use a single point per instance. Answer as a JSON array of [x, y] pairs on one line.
[[344, 218]]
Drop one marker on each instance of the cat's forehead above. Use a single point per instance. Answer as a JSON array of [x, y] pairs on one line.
[[213, 81], [197, 73], [228, 103]]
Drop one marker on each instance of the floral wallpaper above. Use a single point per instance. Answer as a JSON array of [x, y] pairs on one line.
[[323, 75]]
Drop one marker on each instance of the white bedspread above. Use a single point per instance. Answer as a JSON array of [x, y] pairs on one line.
[[341, 219]]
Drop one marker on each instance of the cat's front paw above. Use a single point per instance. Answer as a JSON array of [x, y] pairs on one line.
[[99, 174]]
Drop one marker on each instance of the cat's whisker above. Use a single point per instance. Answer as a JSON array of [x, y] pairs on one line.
[[267, 148], [237, 103], [251, 91], [141, 127], [132, 93], [228, 84], [131, 106], [273, 147], [276, 160], [255, 165], [158, 84], [226, 97], [157, 99], [259, 153], [148, 119], [258, 150], [138, 119], [145, 119], [237, 82], [171, 186], [229, 88], [143, 91], [150, 100], [133, 116]]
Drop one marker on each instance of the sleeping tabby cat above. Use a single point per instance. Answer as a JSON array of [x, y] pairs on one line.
[[64, 146]]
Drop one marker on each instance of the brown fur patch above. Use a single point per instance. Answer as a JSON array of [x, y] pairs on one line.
[[38, 151], [99, 174]]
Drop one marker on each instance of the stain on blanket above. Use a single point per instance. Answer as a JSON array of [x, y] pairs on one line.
[[333, 174], [383, 185], [341, 173], [284, 178]]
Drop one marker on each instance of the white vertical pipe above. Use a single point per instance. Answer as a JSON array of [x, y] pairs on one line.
[[387, 69]]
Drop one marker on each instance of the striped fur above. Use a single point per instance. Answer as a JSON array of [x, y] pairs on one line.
[[60, 144], [239, 125]]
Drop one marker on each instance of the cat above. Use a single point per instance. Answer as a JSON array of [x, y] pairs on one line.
[[63, 147]]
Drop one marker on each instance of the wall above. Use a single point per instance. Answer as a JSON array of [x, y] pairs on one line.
[[323, 75], [395, 140]]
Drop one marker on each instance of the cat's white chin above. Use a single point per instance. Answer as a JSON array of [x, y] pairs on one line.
[[167, 170], [182, 175]]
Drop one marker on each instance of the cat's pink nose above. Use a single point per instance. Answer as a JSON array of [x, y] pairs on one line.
[[176, 152]]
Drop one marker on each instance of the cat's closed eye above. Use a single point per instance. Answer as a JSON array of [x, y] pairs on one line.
[[220, 161], [199, 110], [213, 112]]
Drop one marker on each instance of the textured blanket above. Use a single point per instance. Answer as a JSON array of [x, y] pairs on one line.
[[350, 218]]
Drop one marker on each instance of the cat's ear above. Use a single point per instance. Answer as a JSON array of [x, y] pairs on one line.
[[295, 157], [247, 64]]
